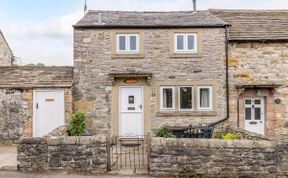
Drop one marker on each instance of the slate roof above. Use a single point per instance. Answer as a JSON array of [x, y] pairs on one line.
[[36, 77], [255, 25], [130, 19]]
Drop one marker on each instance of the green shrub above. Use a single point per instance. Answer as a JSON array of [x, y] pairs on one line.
[[229, 136], [165, 132], [77, 125], [286, 124]]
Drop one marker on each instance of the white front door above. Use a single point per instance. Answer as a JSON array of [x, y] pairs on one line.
[[131, 112], [254, 115], [48, 111]]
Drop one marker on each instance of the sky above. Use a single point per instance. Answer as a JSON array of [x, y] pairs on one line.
[[40, 31]]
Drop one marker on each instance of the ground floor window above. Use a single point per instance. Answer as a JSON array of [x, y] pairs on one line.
[[204, 98], [185, 98], [181, 98], [167, 98]]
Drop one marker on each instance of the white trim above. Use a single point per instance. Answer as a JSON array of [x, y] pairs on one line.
[[179, 98], [210, 108], [127, 42], [185, 38], [120, 110], [173, 98], [35, 116]]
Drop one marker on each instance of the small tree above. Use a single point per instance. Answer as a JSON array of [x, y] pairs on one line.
[[77, 125]]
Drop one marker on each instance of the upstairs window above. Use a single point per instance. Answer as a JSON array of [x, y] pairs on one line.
[[127, 43], [185, 43]]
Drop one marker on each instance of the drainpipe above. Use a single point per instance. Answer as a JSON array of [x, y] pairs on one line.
[[227, 79], [227, 71]]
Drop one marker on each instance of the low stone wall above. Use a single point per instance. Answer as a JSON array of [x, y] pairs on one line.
[[82, 154], [244, 134], [218, 158]]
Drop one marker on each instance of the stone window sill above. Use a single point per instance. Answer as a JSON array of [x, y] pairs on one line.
[[128, 56], [192, 113], [185, 55]]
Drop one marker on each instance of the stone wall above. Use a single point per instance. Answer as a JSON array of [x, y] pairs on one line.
[[242, 133], [93, 62], [81, 154], [256, 64], [218, 158], [5, 52], [16, 97]]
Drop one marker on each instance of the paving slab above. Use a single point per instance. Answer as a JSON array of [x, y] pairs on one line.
[[8, 158], [14, 174]]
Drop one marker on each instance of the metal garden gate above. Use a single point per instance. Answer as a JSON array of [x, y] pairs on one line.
[[129, 153]]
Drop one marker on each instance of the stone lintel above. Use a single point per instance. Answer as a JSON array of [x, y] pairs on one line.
[[114, 76]]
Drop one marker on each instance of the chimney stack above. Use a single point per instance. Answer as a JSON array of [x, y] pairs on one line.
[[194, 5]]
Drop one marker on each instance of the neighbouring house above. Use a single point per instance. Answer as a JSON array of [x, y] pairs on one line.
[[6, 54], [258, 68], [33, 101], [136, 71]]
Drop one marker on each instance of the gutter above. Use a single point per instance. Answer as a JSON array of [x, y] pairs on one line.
[[148, 26], [227, 80]]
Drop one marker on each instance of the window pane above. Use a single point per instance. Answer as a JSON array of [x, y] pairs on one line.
[[167, 98], [191, 42], [257, 101], [204, 98], [257, 113], [247, 101], [122, 43], [185, 97], [180, 42], [247, 113], [133, 43]]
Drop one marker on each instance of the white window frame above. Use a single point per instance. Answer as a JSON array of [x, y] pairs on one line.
[[127, 47], [185, 50], [199, 108], [173, 98], [179, 98]]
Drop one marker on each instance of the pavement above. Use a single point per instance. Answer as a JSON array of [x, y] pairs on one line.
[[8, 158], [14, 174]]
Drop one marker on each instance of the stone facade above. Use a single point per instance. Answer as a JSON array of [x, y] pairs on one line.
[[94, 61], [262, 66], [81, 154], [16, 99], [217, 158], [6, 54]]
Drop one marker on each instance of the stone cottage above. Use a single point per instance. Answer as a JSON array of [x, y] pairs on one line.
[[6, 53], [258, 69], [136, 71]]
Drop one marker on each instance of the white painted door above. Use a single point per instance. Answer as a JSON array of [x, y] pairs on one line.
[[131, 111], [254, 115], [48, 111]]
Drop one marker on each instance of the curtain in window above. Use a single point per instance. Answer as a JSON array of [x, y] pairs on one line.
[[204, 98], [167, 98]]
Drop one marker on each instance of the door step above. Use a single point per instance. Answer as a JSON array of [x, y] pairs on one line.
[[129, 172], [131, 141]]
